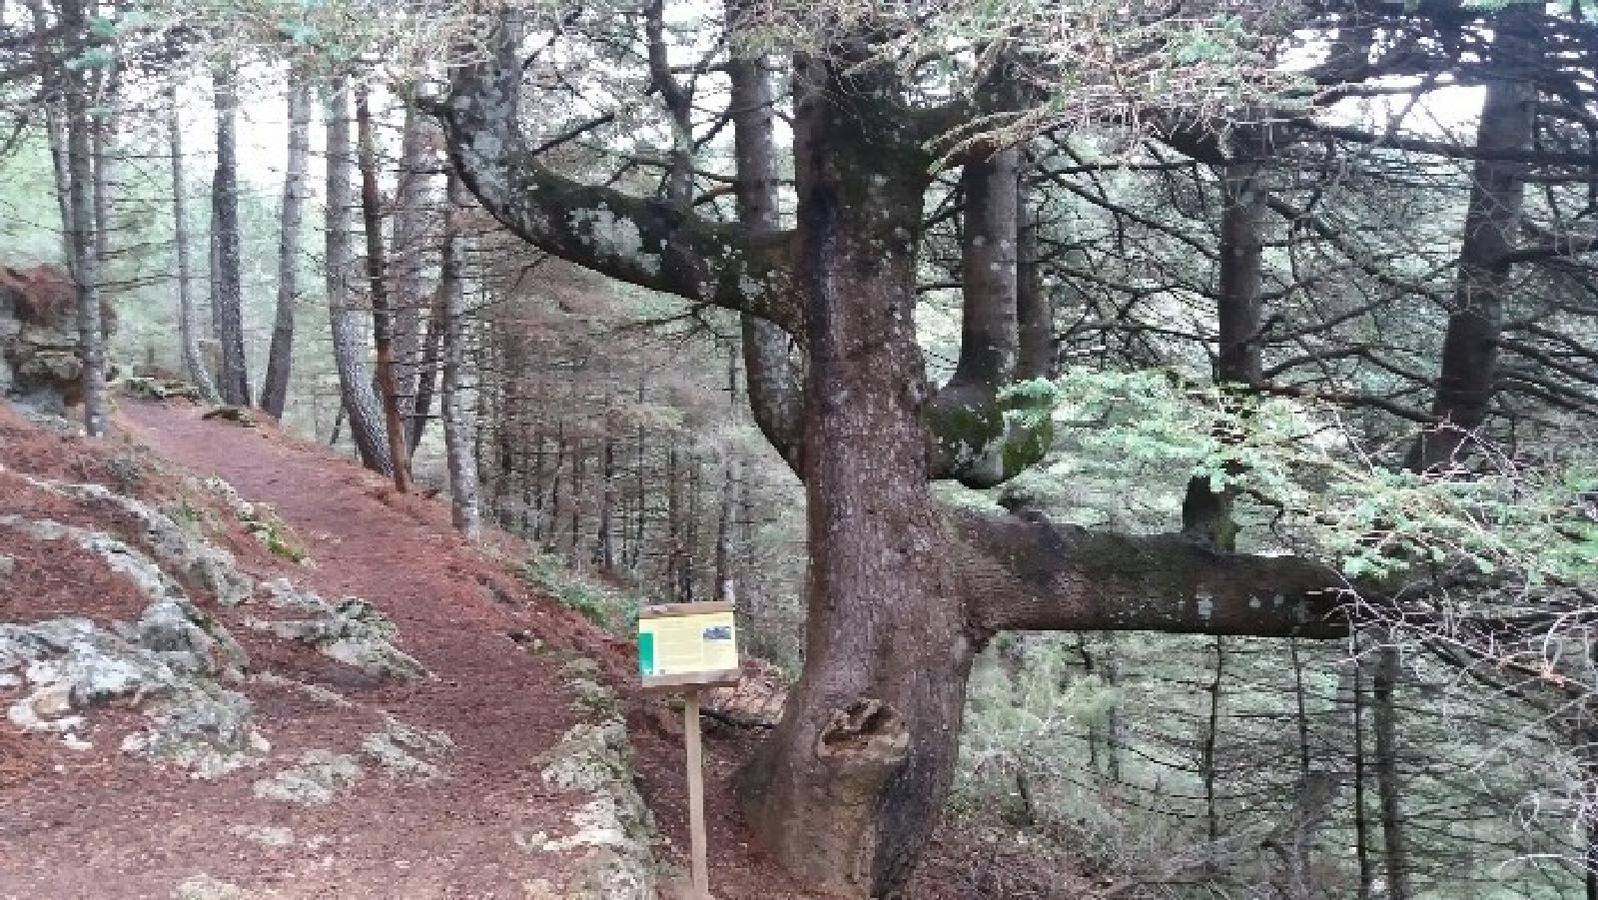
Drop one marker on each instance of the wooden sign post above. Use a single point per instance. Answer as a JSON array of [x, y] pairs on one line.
[[683, 648]]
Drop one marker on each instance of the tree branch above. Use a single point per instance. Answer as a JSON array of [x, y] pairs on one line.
[[1026, 572], [640, 241]]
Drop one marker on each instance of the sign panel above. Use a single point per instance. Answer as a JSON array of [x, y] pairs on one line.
[[687, 644]]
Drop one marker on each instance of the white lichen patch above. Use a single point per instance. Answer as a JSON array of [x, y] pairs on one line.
[[614, 236]]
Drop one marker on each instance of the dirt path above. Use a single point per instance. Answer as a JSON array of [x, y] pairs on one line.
[[454, 612], [99, 824]]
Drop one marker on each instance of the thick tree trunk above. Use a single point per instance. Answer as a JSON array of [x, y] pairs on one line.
[[349, 350], [1469, 372], [227, 313], [459, 440], [382, 318], [852, 780], [85, 263], [188, 335], [280, 358]]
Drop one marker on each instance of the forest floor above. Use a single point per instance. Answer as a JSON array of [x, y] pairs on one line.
[[99, 822]]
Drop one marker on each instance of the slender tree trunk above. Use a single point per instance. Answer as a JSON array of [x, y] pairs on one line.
[[227, 313], [85, 263], [414, 377], [776, 395], [1207, 515], [1367, 877], [1034, 306], [349, 350], [280, 358], [53, 99], [459, 428], [425, 376], [1395, 839], [105, 178], [674, 547], [382, 319], [574, 555], [607, 504], [1207, 767], [188, 335]]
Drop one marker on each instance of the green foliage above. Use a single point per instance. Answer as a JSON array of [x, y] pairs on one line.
[[1330, 499], [608, 607]]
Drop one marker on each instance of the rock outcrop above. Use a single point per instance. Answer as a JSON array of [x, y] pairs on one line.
[[39, 364]]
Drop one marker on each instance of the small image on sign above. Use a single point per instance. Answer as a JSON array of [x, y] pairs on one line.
[[687, 644]]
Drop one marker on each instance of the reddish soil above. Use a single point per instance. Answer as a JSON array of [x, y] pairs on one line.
[[99, 823]]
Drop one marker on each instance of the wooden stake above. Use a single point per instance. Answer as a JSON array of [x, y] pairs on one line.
[[696, 797]]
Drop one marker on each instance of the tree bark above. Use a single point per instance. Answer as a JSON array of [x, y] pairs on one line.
[[852, 780], [412, 374], [188, 335], [227, 313], [1395, 840], [349, 351], [280, 358], [1207, 515], [85, 263], [775, 386], [459, 438], [1034, 305], [382, 316], [965, 412], [1469, 372]]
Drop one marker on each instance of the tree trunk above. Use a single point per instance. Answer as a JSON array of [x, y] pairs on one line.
[[349, 351], [776, 395], [852, 780], [412, 374], [188, 336], [1469, 372], [607, 506], [1207, 515], [459, 439], [382, 317], [227, 313], [425, 376], [1034, 306], [1395, 841], [85, 264], [280, 358]]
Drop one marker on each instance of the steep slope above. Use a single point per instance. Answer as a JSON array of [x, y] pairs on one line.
[[324, 761]]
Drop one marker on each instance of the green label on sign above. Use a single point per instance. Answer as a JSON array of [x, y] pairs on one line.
[[646, 652]]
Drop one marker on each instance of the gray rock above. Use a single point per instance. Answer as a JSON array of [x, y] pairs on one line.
[[172, 543], [8, 566], [353, 632], [315, 781], [204, 887], [613, 830], [265, 835], [405, 751]]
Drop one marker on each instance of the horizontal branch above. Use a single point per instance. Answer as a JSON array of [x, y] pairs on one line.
[[1026, 572]]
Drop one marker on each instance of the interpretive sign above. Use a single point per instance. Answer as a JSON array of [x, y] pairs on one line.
[[684, 645]]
